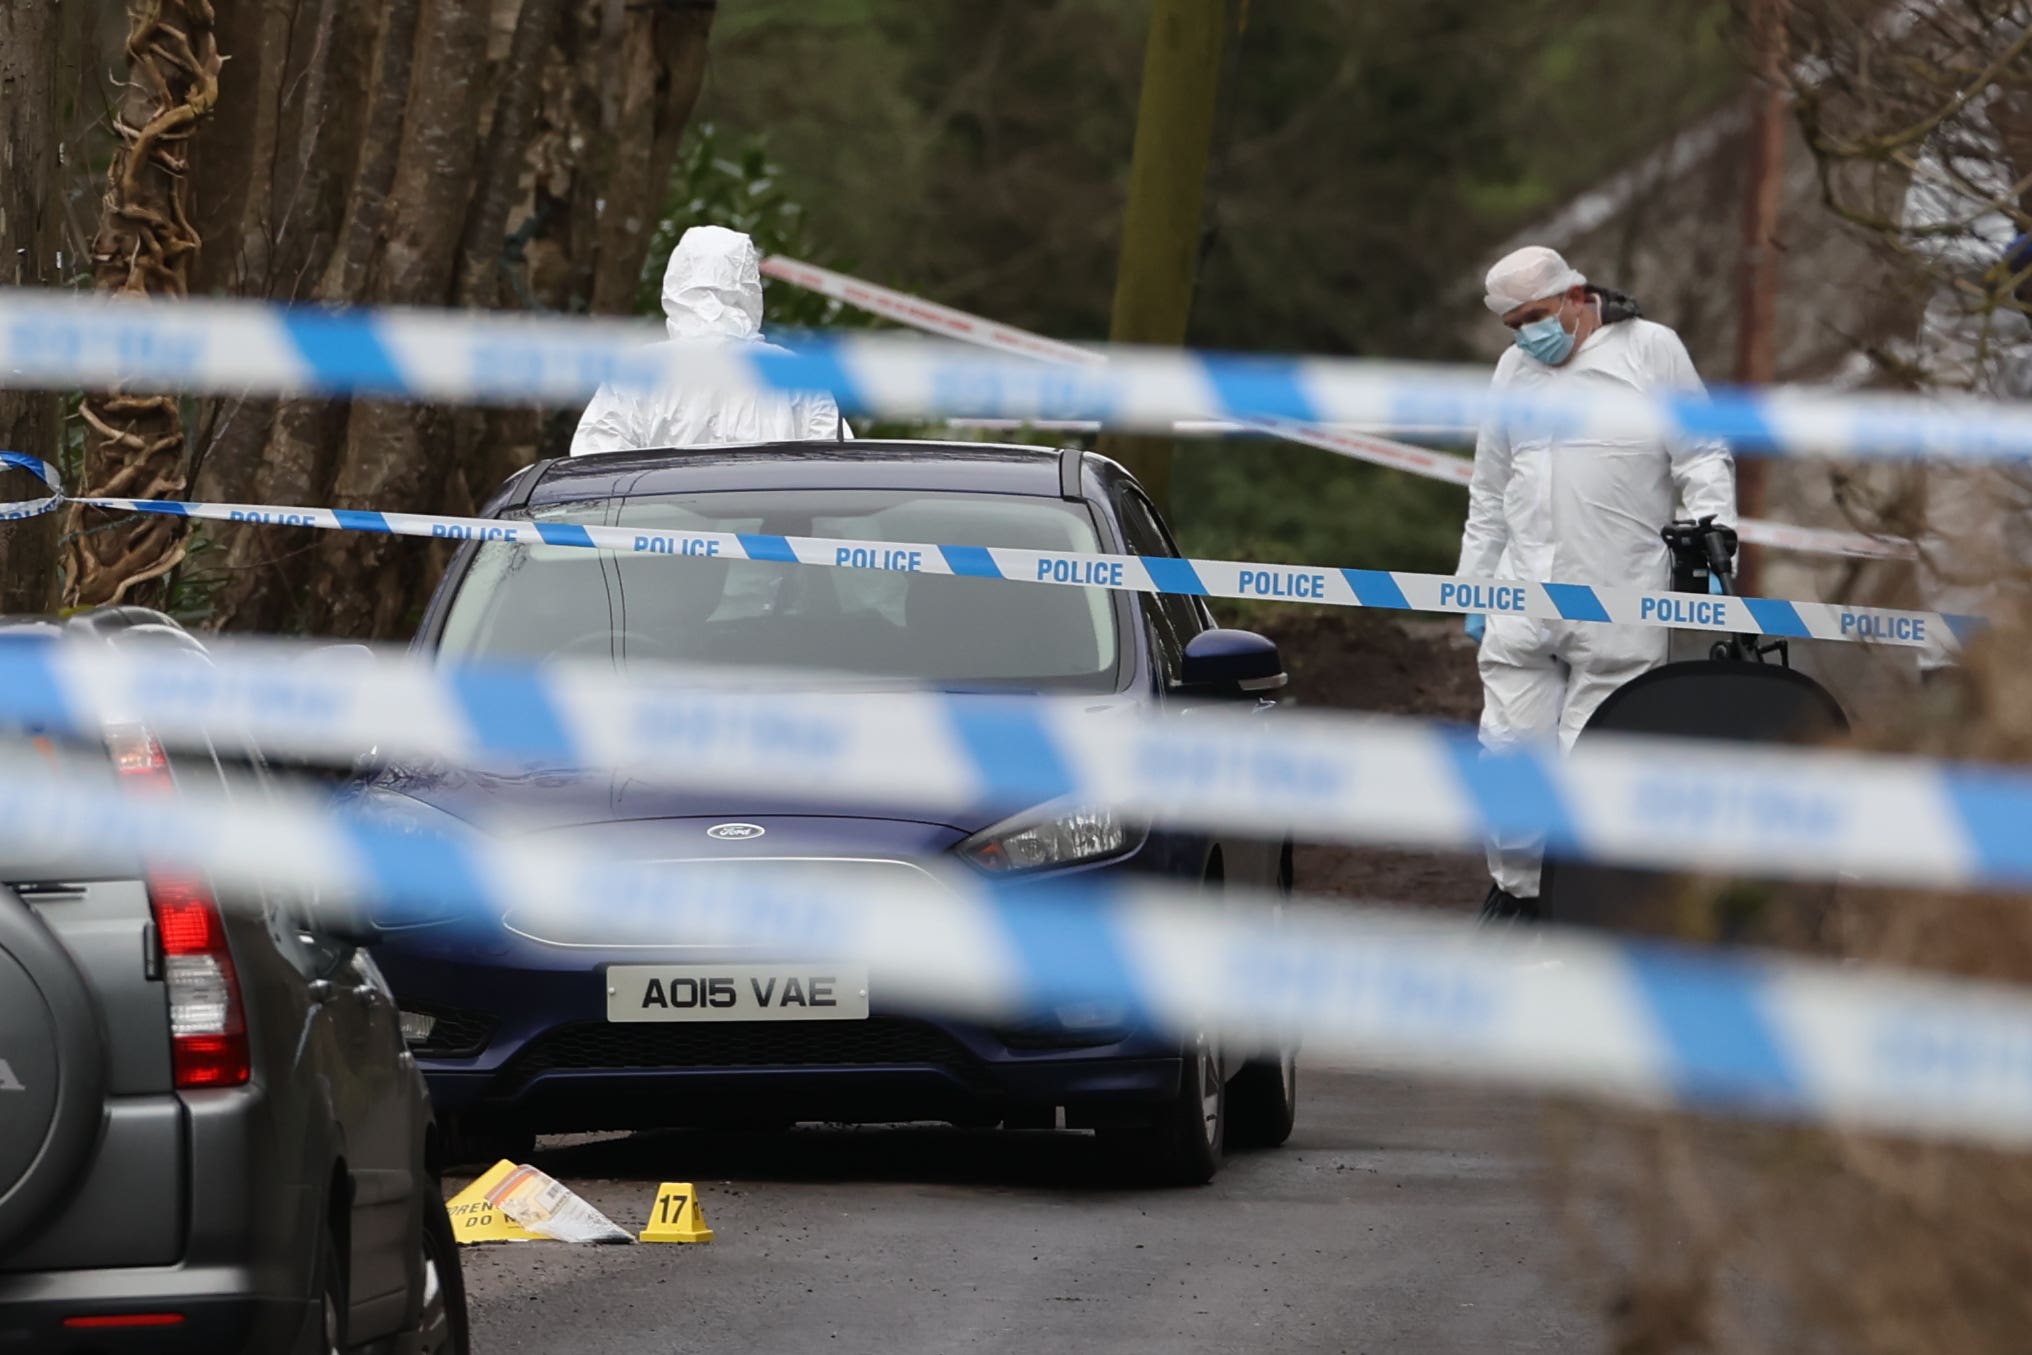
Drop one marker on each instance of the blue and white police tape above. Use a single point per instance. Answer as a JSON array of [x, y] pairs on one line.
[[1358, 444], [1768, 1038], [30, 508], [59, 339], [1396, 590], [792, 739]]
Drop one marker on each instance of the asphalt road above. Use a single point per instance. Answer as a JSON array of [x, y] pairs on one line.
[[1403, 1216]]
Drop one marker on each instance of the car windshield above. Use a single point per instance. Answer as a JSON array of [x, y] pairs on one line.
[[541, 601]]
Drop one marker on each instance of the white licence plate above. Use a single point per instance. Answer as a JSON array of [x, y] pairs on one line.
[[736, 992]]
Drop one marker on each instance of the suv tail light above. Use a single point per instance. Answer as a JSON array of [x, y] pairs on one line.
[[207, 1028], [207, 1024]]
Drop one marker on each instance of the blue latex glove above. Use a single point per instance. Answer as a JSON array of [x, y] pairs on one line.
[[1475, 623], [1714, 582]]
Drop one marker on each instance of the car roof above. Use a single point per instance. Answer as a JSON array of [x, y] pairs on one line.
[[113, 624], [965, 467]]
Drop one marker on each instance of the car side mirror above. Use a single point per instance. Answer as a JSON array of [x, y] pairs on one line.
[[1230, 663]]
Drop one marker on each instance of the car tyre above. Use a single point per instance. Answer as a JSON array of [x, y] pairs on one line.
[[441, 1321], [324, 1331], [1263, 1102], [1183, 1146], [1263, 1098]]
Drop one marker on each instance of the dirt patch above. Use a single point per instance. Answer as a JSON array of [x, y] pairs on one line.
[[1349, 659], [1391, 665]]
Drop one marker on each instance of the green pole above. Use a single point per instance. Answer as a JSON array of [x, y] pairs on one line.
[[1159, 260]]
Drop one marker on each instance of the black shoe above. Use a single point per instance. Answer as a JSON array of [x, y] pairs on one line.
[[1502, 908]]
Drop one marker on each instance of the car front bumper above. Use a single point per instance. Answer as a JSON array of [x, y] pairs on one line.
[[538, 1052]]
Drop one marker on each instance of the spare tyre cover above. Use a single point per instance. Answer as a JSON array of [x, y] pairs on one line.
[[52, 1071]]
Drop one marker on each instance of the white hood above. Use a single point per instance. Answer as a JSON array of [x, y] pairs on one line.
[[712, 288], [712, 291]]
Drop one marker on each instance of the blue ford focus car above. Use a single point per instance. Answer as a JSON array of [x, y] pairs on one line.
[[524, 1029]]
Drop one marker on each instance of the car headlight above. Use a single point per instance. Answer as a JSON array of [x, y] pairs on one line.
[[1051, 837]]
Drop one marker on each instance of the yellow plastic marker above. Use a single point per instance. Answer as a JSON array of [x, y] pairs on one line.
[[476, 1219], [675, 1216]]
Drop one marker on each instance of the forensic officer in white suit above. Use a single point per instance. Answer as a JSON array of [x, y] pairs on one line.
[[1575, 507], [712, 293]]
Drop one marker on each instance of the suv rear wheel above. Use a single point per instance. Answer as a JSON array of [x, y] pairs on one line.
[[441, 1323], [325, 1333]]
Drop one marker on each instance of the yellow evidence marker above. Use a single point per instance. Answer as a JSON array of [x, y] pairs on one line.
[[475, 1218], [675, 1216]]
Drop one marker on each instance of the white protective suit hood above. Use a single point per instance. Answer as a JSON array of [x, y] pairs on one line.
[[712, 293], [712, 287]]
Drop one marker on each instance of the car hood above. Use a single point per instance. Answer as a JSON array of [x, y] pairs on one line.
[[597, 806]]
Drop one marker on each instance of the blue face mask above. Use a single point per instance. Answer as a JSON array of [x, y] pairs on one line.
[[1546, 340]]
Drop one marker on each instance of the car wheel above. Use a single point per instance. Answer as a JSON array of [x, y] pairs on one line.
[[441, 1320], [1263, 1102], [1183, 1146], [1263, 1098], [324, 1330]]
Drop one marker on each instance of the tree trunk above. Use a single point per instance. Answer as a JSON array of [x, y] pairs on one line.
[[29, 240], [503, 166], [479, 437], [396, 456], [236, 163], [144, 248], [616, 100], [272, 188], [266, 570], [233, 214], [664, 54]]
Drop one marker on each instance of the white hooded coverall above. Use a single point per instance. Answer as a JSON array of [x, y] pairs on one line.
[[1579, 508], [712, 292]]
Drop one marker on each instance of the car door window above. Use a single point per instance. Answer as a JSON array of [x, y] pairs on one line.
[[1174, 617]]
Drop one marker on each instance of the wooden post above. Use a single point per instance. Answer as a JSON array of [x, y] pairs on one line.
[[1161, 225], [1757, 274]]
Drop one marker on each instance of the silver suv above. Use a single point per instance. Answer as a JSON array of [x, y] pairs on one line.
[[211, 1135]]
